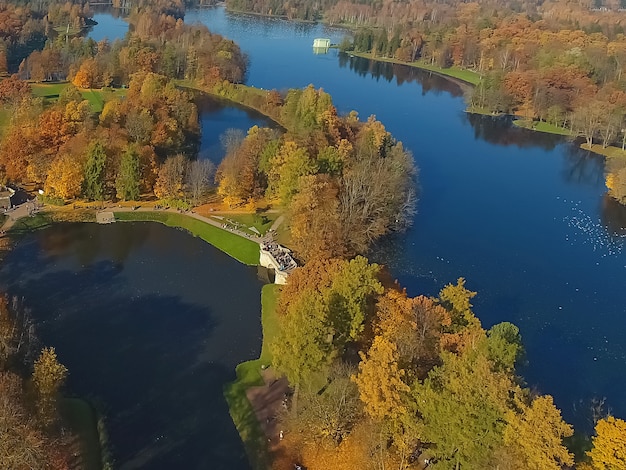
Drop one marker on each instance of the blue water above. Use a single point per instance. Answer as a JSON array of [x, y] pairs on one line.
[[216, 118], [111, 25], [522, 216]]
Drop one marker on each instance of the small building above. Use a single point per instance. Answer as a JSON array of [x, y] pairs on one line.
[[5, 197], [321, 43]]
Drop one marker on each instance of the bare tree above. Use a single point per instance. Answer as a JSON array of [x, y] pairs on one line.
[[198, 179]]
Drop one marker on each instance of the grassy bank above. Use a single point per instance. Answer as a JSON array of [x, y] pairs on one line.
[[83, 422], [609, 152], [541, 126], [242, 249], [467, 76], [248, 375]]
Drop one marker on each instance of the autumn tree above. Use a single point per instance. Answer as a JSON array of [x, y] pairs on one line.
[[535, 436], [48, 377], [464, 404], [609, 445], [315, 222], [65, 177], [171, 179], [381, 381], [287, 166]]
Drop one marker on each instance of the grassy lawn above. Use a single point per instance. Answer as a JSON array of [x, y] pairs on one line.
[[83, 422], [610, 151], [248, 375], [28, 224], [96, 97], [541, 126], [240, 248], [464, 75]]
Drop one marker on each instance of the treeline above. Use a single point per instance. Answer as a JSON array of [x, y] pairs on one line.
[[592, 15], [160, 44], [343, 182], [383, 380], [568, 78], [73, 151], [32, 433]]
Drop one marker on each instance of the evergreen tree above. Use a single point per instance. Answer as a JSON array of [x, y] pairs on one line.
[[93, 184], [127, 181]]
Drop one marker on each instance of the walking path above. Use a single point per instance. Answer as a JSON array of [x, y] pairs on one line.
[[207, 220], [23, 210], [266, 401]]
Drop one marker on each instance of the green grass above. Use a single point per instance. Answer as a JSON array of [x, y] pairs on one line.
[[29, 224], [83, 422], [541, 126], [242, 249], [610, 151], [48, 90], [248, 375], [459, 73], [96, 97]]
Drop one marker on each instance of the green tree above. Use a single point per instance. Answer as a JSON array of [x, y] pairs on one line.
[[93, 183], [505, 345], [351, 297], [463, 404], [128, 175], [303, 347]]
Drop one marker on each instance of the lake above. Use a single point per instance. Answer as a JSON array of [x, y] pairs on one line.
[[151, 323]]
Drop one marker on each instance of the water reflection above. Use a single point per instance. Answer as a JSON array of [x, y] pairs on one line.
[[582, 166], [613, 215], [429, 81], [80, 241]]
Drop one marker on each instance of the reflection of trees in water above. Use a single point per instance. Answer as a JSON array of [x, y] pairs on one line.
[[582, 166], [613, 215], [429, 81], [500, 130], [88, 242]]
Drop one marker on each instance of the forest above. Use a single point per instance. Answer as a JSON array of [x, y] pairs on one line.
[[379, 379]]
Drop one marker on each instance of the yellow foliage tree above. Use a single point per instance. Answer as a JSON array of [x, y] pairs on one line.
[[48, 377], [65, 177], [609, 445], [380, 380], [536, 435]]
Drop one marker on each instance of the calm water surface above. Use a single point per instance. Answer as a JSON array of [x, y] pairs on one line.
[[151, 323], [521, 215]]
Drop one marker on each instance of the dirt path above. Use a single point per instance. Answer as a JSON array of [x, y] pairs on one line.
[[267, 401]]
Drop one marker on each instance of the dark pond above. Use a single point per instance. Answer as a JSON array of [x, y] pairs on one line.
[[151, 323], [521, 215], [216, 117]]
